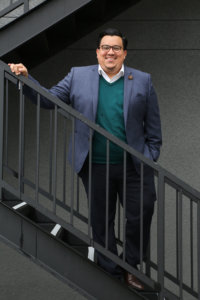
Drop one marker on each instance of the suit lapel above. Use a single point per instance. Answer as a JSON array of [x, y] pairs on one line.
[[128, 86]]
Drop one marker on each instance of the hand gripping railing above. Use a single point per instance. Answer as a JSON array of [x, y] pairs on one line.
[[33, 167], [15, 9]]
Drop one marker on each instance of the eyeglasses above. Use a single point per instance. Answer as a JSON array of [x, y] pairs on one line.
[[107, 48]]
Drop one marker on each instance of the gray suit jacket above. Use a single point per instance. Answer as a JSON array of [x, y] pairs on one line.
[[141, 112]]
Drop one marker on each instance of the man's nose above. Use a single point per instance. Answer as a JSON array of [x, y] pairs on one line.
[[111, 51]]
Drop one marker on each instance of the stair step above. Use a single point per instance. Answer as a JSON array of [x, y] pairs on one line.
[[73, 242], [20, 205], [56, 229], [150, 295]]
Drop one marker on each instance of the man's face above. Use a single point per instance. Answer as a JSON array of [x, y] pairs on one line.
[[111, 60]]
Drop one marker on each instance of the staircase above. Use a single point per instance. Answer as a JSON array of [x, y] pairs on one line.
[[54, 24], [33, 217], [32, 233], [51, 211]]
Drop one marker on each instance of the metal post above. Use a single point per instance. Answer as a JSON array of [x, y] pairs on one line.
[[72, 173], [6, 126], [119, 220], [37, 148], [50, 151], [55, 158], [64, 159], [141, 213], [21, 142], [1, 126], [26, 6], [180, 244], [198, 245], [90, 183], [124, 206], [107, 191], [77, 194], [191, 244], [148, 261], [160, 232], [177, 235]]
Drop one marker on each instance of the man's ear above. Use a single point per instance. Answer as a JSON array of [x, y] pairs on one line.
[[125, 53]]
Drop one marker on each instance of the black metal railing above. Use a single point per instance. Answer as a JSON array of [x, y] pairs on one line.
[[16, 8], [33, 166]]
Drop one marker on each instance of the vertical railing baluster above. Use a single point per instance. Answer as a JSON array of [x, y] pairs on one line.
[[191, 244], [50, 151], [161, 232], [107, 192], [90, 182], [55, 157], [1, 126], [177, 235], [119, 220], [26, 6], [141, 213], [124, 205], [21, 141], [198, 246], [37, 148], [77, 194], [6, 126], [148, 260], [180, 243], [64, 159], [72, 173]]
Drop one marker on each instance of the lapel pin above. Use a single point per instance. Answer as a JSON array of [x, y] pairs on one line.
[[130, 77]]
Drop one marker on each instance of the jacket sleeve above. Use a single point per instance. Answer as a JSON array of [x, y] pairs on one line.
[[152, 123], [60, 90]]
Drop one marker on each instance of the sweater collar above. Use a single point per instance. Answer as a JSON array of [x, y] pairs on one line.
[[114, 78]]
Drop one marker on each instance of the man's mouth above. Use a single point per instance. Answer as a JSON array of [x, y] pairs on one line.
[[110, 59]]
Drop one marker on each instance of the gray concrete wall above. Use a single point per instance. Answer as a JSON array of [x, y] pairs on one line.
[[164, 40]]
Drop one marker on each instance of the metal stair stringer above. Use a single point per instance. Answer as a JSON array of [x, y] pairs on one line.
[[32, 239], [38, 20]]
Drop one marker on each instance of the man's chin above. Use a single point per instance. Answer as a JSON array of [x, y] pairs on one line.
[[110, 68]]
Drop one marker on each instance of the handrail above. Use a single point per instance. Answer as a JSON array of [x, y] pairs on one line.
[[23, 7], [66, 109], [168, 187]]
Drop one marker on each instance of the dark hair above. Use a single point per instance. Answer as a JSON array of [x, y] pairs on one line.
[[111, 32]]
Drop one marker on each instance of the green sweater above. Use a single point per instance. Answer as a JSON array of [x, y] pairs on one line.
[[110, 116]]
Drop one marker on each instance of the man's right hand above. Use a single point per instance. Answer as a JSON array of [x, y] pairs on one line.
[[18, 69]]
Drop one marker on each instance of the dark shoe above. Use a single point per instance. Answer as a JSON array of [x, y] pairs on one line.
[[133, 282]]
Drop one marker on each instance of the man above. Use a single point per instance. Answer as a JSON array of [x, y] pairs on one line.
[[123, 101]]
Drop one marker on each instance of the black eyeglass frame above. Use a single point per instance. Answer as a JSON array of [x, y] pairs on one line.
[[115, 48]]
